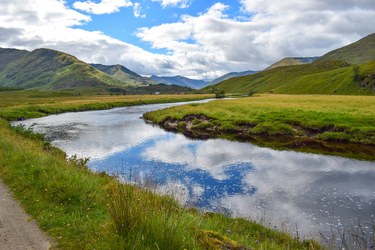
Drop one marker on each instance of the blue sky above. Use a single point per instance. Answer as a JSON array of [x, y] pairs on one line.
[[200, 39], [123, 25]]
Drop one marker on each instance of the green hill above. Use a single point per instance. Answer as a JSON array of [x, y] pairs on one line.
[[123, 74], [323, 76], [289, 61], [356, 53], [49, 69]]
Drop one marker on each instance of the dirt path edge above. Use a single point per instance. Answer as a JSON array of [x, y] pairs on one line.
[[17, 231]]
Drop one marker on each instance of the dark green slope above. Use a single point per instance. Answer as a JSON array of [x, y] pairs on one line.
[[9, 55], [123, 74], [50, 69], [357, 53]]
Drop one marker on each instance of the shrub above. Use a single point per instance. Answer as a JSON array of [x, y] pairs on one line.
[[220, 94]]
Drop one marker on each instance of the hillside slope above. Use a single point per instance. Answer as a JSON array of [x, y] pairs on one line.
[[356, 53], [9, 55], [49, 69], [123, 74], [323, 77], [289, 61]]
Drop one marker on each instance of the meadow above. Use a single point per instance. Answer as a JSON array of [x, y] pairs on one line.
[[80, 209], [338, 125]]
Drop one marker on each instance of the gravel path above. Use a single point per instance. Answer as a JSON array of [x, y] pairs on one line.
[[16, 231]]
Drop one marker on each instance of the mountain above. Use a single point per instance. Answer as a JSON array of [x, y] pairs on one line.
[[356, 53], [179, 80], [231, 75], [123, 74], [49, 69], [289, 61], [323, 76]]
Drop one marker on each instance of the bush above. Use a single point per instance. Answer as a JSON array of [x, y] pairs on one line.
[[220, 94]]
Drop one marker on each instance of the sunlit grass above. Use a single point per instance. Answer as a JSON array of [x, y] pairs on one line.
[[338, 119]]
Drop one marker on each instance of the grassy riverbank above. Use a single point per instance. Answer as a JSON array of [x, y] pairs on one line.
[[338, 125], [84, 210]]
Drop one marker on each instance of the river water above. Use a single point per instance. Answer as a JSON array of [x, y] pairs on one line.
[[289, 190]]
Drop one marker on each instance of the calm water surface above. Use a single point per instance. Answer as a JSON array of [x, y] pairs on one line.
[[284, 188]]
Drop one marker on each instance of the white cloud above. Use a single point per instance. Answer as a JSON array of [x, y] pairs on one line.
[[103, 7], [137, 10], [176, 3], [213, 42], [203, 46]]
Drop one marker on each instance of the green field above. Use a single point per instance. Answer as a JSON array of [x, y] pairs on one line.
[[338, 125], [84, 210]]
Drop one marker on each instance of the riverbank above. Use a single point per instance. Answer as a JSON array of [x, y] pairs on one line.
[[332, 125], [83, 210]]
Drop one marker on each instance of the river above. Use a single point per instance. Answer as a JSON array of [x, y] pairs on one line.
[[302, 192]]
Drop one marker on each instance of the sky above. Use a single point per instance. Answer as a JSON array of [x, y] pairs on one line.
[[201, 39]]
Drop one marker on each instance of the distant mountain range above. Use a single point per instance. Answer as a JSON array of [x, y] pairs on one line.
[[348, 70], [289, 61], [180, 80], [231, 75]]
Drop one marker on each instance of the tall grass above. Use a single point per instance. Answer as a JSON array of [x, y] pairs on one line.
[[153, 221]]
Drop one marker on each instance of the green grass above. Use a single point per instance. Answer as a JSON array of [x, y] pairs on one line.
[[33, 103], [320, 77], [80, 209], [339, 125]]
